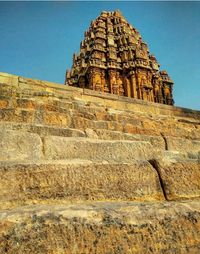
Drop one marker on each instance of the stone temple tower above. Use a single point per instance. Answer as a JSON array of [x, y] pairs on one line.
[[114, 59]]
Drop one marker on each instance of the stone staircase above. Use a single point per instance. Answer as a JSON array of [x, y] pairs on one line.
[[84, 172]]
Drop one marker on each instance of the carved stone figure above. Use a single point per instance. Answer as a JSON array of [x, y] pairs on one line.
[[127, 86], [120, 85], [114, 59], [82, 82]]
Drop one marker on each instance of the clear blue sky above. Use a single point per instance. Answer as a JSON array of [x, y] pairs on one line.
[[38, 39]]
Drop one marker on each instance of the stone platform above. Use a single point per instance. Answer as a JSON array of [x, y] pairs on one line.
[[87, 172]]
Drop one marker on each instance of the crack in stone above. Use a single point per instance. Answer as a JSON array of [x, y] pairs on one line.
[[165, 140], [154, 164]]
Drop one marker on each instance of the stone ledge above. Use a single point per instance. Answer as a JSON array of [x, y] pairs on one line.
[[98, 150], [192, 147], [76, 180], [180, 179], [42, 129], [90, 95], [108, 227]]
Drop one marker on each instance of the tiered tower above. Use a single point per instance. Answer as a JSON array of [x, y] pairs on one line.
[[114, 59]]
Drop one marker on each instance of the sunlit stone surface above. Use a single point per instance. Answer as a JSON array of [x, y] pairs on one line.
[[88, 172]]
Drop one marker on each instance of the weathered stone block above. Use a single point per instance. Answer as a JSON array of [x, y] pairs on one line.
[[19, 146], [59, 119], [26, 103], [192, 147], [45, 182], [174, 156], [128, 119], [83, 148], [180, 179], [91, 133], [101, 116], [113, 125], [3, 104], [27, 116], [6, 78], [108, 227], [81, 123], [156, 141], [99, 125], [42, 130], [131, 129]]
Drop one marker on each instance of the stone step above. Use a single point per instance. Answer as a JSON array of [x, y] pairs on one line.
[[18, 144], [81, 115], [35, 116], [65, 118], [48, 130], [191, 147], [73, 180], [56, 148], [173, 156], [187, 147], [179, 178], [42, 129], [23, 146], [104, 134], [103, 227]]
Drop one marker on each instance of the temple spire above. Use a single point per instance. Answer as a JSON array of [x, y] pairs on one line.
[[113, 58]]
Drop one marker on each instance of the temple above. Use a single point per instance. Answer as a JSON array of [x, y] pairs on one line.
[[114, 59]]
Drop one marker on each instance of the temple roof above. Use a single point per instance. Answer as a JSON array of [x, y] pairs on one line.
[[112, 44], [119, 45]]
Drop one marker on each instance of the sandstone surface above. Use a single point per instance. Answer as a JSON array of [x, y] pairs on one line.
[[87, 172], [19, 145], [181, 179], [55, 148], [162, 227], [76, 180]]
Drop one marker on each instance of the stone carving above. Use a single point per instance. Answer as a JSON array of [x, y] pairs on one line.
[[114, 59]]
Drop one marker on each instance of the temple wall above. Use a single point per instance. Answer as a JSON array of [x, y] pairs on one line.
[[20, 85]]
